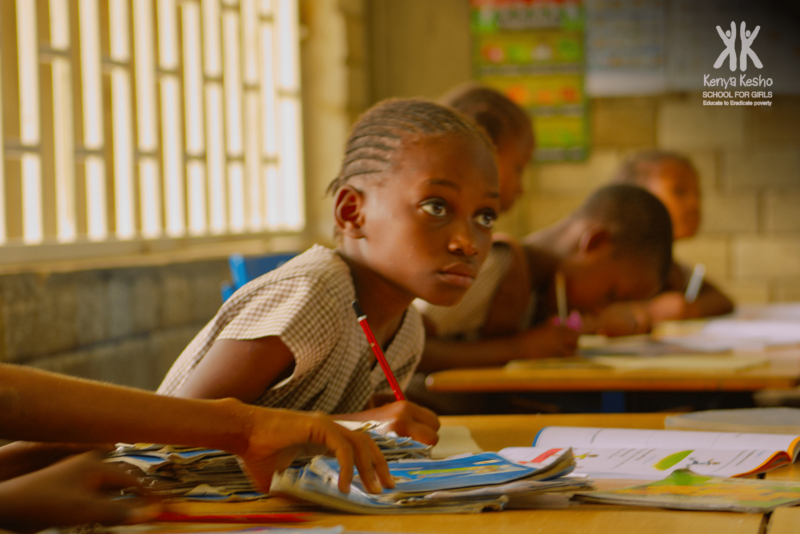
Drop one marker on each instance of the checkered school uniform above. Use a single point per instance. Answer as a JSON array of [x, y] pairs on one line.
[[308, 304], [464, 320]]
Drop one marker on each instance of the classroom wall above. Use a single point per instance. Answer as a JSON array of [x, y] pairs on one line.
[[748, 158]]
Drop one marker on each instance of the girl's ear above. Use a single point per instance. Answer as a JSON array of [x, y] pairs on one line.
[[594, 239], [348, 211]]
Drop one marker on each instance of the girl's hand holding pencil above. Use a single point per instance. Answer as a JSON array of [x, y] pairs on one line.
[[407, 419]]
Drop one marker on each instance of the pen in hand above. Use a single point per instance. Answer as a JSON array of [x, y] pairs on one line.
[[376, 349], [695, 282]]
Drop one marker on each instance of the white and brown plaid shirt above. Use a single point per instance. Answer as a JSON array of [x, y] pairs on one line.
[[307, 303]]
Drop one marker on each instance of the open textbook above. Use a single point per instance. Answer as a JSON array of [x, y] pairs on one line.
[[685, 490], [654, 454], [468, 483]]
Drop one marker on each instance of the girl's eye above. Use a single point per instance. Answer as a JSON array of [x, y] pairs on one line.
[[486, 219], [437, 208]]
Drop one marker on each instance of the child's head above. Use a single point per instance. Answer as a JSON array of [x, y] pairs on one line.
[[673, 179], [622, 251], [416, 198], [509, 128]]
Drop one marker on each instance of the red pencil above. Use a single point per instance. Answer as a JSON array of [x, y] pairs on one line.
[[376, 349]]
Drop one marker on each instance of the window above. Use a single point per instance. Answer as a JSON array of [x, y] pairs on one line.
[[133, 120]]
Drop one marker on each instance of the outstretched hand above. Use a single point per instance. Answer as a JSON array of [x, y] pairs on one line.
[[67, 493], [276, 437]]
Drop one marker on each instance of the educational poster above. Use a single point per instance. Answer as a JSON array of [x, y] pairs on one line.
[[626, 47], [533, 51]]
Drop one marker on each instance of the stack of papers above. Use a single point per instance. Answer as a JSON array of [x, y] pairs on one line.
[[463, 484], [192, 473], [205, 474]]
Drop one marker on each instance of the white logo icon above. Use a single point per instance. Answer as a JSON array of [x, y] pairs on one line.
[[747, 40], [729, 38]]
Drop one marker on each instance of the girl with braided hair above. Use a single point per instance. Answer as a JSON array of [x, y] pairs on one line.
[[414, 205]]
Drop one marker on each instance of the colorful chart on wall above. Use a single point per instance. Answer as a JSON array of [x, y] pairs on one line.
[[533, 51]]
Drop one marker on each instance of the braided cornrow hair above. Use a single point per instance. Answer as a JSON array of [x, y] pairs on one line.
[[491, 109], [381, 131]]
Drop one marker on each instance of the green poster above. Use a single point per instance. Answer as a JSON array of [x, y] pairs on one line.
[[534, 52]]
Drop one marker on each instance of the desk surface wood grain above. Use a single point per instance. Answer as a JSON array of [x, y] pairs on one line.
[[778, 374]]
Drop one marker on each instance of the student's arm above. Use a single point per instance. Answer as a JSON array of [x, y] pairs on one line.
[[672, 305], [241, 369], [39, 406], [246, 369], [545, 341], [711, 301], [627, 318]]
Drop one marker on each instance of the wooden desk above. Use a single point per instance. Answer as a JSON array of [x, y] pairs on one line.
[[495, 432], [784, 521], [776, 374]]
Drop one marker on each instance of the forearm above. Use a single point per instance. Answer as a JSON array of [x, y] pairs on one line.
[[40, 406], [710, 302], [442, 354]]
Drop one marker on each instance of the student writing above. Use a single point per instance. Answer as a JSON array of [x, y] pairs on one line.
[[44, 485], [414, 205], [673, 179]]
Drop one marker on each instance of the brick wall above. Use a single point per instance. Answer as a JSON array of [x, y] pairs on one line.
[[121, 325]]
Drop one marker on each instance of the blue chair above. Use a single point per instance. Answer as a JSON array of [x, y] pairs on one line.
[[244, 269]]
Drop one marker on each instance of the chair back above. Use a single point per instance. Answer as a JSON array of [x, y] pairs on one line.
[[247, 268]]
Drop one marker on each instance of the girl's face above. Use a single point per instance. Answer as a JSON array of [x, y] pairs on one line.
[[428, 220], [676, 185], [513, 154]]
